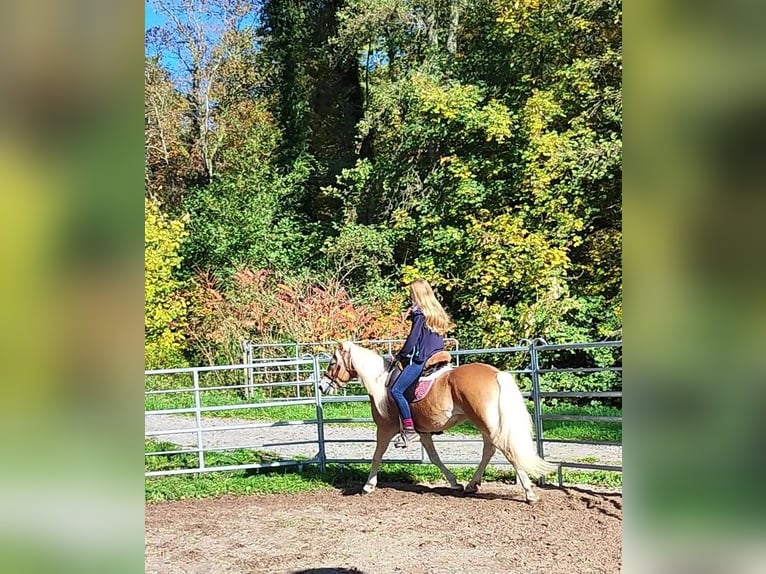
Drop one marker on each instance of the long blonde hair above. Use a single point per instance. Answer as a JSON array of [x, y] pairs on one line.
[[436, 317]]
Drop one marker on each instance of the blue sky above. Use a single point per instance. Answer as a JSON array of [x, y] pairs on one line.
[[151, 18]]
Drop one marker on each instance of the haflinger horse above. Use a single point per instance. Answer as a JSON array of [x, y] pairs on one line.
[[486, 396]]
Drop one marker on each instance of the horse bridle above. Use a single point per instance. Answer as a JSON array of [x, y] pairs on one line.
[[337, 374]]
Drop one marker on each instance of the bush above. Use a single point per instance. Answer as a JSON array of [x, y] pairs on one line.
[[164, 305], [260, 306]]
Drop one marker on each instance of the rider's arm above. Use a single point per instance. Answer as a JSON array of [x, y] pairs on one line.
[[418, 321]]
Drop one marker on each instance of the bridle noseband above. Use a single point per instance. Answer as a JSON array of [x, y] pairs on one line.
[[338, 372]]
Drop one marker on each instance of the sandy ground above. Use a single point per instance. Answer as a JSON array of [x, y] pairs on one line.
[[397, 529]]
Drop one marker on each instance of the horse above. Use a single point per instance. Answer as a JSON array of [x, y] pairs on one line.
[[478, 392]]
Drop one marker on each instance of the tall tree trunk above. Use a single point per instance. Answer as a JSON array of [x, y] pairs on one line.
[[431, 29], [455, 9]]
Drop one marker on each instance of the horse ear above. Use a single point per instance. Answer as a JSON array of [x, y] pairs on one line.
[[339, 344]]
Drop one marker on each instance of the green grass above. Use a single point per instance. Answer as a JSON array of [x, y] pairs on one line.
[[212, 484], [605, 478], [571, 430], [216, 398], [310, 479], [588, 459], [582, 430], [191, 459]]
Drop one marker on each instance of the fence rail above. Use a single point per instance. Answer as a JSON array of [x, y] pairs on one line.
[[187, 420]]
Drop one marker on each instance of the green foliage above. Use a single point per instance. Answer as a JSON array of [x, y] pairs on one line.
[[368, 142], [315, 93], [357, 254], [164, 307], [245, 216]]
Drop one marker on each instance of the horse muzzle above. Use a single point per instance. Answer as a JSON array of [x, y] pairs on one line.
[[326, 386]]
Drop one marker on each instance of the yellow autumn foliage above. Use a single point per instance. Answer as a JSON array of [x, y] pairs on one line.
[[164, 306]]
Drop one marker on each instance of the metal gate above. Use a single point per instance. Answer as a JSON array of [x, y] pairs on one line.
[[207, 417]]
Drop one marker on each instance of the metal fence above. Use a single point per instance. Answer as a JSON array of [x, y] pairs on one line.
[[203, 419], [257, 355]]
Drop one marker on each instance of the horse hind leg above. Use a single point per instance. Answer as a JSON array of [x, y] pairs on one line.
[[428, 443], [526, 483], [487, 453]]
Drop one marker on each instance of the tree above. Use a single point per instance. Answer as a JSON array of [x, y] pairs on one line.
[[497, 164], [368, 142], [168, 170], [316, 93], [201, 42]]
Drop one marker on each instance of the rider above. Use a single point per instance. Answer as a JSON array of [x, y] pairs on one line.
[[429, 325]]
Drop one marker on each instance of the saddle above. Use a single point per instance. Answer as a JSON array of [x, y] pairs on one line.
[[435, 365]]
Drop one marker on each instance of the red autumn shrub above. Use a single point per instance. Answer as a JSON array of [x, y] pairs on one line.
[[260, 308]]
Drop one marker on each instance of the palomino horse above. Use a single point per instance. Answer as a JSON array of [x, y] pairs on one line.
[[480, 393]]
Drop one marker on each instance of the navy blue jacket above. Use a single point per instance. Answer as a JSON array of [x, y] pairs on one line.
[[422, 342]]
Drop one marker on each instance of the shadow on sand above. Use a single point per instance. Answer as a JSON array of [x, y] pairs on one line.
[[423, 489]]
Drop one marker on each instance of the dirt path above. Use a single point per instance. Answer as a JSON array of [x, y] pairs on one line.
[[398, 529], [278, 439]]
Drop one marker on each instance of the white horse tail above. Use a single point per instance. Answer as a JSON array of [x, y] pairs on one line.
[[514, 433]]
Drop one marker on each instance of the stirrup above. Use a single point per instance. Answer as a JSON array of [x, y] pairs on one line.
[[406, 437]]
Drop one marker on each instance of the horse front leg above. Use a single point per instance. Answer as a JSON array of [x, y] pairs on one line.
[[383, 438], [428, 443], [486, 455]]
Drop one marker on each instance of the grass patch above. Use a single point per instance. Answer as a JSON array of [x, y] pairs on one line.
[[604, 478], [291, 480], [190, 459], [216, 398], [213, 484], [570, 430], [588, 459], [582, 430]]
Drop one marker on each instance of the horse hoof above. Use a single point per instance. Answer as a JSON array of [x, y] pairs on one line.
[[532, 500], [471, 488], [457, 487], [367, 489]]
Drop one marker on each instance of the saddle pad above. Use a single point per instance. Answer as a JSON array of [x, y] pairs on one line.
[[424, 384]]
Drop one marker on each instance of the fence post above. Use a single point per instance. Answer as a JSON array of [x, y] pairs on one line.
[[535, 368], [297, 373], [246, 390], [320, 414], [250, 371], [198, 416]]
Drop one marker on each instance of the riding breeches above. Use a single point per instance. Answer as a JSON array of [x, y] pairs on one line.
[[408, 376]]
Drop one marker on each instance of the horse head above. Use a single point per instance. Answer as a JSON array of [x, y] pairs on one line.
[[339, 372]]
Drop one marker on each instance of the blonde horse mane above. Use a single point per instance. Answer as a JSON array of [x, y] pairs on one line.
[[372, 373]]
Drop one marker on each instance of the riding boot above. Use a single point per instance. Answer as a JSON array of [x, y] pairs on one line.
[[406, 437]]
